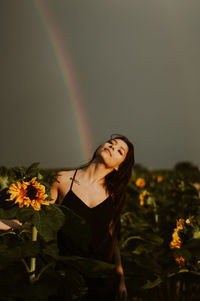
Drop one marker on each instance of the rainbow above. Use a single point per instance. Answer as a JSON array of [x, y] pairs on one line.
[[69, 78]]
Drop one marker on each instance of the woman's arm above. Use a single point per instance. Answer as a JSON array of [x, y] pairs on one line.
[[117, 256], [54, 190], [122, 293], [54, 193], [120, 273], [6, 224]]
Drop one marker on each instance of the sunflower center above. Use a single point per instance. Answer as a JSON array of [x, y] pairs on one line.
[[31, 192]]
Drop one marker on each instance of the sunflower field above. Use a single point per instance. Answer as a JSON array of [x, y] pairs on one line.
[[160, 237]]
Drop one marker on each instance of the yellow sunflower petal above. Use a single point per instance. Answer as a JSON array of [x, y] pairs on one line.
[[36, 205]]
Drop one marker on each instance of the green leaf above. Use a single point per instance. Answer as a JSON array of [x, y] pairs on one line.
[[8, 213], [19, 172], [147, 237], [193, 245], [32, 168], [153, 238], [51, 249], [14, 284], [183, 252], [26, 249], [48, 221], [73, 284], [88, 266], [56, 216], [17, 252], [150, 284], [25, 214]]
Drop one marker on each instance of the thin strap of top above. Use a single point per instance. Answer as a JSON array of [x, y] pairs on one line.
[[73, 179]]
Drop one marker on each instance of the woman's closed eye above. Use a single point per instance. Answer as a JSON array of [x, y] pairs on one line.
[[110, 142]]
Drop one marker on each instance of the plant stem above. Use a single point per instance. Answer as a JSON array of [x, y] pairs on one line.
[[33, 259]]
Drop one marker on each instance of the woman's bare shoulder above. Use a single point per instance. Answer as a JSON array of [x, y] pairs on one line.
[[63, 177], [63, 185]]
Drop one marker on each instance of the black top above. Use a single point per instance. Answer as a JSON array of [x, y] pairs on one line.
[[98, 219]]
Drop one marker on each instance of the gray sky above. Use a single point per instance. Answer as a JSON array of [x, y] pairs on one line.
[[137, 68]]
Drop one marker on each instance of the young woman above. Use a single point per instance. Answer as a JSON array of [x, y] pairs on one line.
[[96, 191]]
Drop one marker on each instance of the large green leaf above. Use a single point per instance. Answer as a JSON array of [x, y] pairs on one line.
[[9, 213], [14, 284], [72, 284], [18, 251], [25, 214], [148, 237], [87, 266], [25, 249], [153, 238], [48, 221], [50, 249]]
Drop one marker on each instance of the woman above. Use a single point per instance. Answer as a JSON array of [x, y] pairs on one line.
[[96, 191]]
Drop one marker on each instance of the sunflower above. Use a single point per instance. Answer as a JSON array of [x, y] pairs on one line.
[[140, 182], [180, 223], [159, 179], [142, 197], [176, 241], [180, 260], [28, 193]]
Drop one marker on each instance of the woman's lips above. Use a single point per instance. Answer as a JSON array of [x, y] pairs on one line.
[[108, 151]]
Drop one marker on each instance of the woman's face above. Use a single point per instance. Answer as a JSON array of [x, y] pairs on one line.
[[113, 152]]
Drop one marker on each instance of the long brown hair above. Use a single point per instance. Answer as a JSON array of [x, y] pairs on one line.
[[116, 183]]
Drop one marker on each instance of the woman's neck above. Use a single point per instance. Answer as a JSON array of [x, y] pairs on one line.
[[96, 172]]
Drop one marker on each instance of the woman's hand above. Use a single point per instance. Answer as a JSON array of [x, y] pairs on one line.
[[6, 224], [122, 291]]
